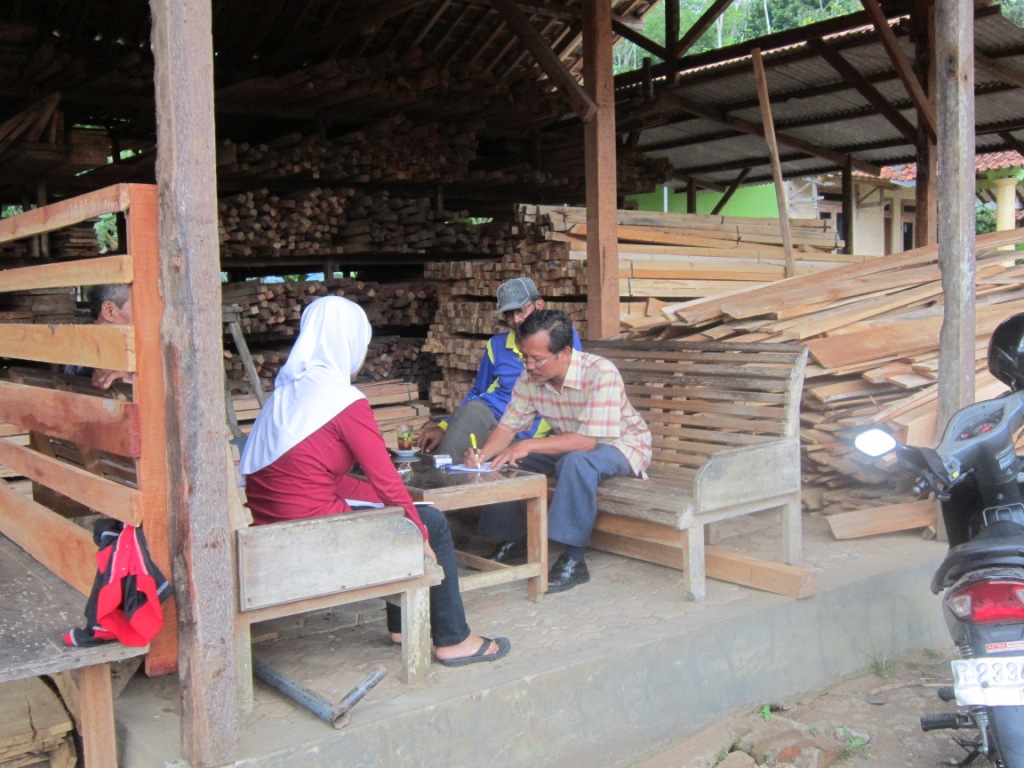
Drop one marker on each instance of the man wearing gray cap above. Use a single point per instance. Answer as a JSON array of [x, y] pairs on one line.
[[499, 368]]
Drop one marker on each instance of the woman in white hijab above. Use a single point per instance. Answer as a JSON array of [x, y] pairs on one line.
[[314, 428]]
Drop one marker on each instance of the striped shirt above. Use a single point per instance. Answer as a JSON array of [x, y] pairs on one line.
[[592, 402]]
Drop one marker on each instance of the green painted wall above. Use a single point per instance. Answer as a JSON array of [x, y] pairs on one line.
[[758, 201]]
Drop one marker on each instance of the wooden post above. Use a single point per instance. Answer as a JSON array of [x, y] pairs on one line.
[[926, 196], [954, 30], [601, 173], [849, 209], [773, 150], [193, 349]]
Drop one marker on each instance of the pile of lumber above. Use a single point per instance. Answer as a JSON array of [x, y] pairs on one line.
[[393, 401], [421, 123], [341, 220], [44, 305], [35, 729], [271, 312], [392, 149], [274, 309], [872, 329], [683, 255], [75, 242], [391, 357]]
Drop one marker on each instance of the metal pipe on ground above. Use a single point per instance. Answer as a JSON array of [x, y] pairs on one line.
[[326, 710]]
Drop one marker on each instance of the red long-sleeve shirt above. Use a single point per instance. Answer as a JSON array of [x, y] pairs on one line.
[[311, 478]]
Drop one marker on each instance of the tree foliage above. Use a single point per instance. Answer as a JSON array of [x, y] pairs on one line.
[[749, 19]]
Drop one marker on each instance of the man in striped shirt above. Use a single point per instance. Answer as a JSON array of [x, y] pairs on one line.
[[595, 434]]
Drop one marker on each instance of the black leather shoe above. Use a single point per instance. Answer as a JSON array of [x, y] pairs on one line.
[[566, 573], [509, 553]]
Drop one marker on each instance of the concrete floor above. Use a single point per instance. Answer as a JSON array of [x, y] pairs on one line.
[[602, 675]]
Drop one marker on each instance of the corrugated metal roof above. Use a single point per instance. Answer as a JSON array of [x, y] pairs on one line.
[[812, 102]]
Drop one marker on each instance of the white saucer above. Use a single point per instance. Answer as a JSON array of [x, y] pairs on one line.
[[406, 454]]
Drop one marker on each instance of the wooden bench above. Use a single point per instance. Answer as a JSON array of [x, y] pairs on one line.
[[289, 568], [341, 559], [55, 559], [725, 424], [44, 608]]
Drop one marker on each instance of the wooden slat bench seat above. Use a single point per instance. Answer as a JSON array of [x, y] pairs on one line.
[[724, 419], [289, 568], [38, 609]]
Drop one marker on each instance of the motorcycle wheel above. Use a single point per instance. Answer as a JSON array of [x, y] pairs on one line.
[[1007, 724]]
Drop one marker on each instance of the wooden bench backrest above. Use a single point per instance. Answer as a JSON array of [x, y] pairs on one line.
[[703, 397], [133, 430]]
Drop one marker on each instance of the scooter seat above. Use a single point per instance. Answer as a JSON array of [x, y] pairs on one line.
[[999, 544]]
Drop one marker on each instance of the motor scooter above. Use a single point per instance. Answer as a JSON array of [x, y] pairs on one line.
[[977, 477]]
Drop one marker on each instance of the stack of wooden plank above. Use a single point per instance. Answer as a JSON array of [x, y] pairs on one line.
[[45, 305], [661, 256], [682, 255], [431, 115], [35, 729], [873, 333], [392, 149], [341, 220], [393, 402], [76, 242], [271, 312]]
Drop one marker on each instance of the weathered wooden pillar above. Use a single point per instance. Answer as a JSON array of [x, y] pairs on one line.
[[954, 30], [193, 349], [602, 178]]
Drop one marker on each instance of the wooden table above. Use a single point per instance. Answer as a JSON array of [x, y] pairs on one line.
[[38, 609], [449, 491]]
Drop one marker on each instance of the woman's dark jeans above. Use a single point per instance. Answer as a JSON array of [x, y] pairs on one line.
[[447, 616]]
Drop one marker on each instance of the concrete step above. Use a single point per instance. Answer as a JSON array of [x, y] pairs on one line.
[[600, 675]]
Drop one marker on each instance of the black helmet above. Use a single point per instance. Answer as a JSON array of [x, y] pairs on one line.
[[1006, 352]]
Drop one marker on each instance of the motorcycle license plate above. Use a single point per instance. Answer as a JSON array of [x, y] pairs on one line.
[[989, 682]]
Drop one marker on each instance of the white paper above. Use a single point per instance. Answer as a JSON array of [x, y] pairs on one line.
[[375, 505], [463, 468]]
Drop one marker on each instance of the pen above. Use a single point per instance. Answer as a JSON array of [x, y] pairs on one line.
[[476, 451]]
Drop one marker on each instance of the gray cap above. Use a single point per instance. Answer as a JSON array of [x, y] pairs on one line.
[[516, 293]]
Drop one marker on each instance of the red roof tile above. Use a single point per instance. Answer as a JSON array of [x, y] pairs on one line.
[[991, 161]]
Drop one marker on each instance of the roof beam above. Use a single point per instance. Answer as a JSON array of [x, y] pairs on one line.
[[925, 110], [742, 50], [700, 26], [863, 87], [580, 101], [712, 114], [997, 69], [736, 184], [640, 40], [1012, 141]]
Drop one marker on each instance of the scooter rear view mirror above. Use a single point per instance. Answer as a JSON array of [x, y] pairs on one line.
[[874, 442]]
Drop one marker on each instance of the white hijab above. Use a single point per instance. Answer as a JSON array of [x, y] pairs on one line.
[[315, 385]]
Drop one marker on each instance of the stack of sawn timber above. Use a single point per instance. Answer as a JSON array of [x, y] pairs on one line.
[[393, 402], [873, 334], [270, 315], [342, 220], [680, 255], [414, 95], [35, 729], [661, 256]]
